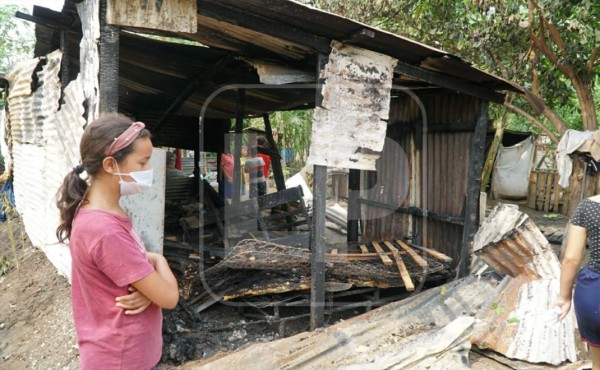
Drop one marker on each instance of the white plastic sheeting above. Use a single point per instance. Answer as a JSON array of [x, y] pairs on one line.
[[510, 178]]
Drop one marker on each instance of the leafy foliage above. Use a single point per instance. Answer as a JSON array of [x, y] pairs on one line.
[[16, 37]]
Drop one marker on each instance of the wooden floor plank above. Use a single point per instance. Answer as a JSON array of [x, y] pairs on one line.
[[384, 258], [415, 256], [364, 249], [435, 254]]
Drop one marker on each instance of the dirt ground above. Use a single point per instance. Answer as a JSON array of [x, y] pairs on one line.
[[36, 327]]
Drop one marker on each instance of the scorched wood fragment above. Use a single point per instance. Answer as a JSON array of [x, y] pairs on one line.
[[257, 267]]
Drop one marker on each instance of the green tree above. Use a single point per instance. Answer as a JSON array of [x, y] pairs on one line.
[[16, 37], [548, 47], [16, 40]]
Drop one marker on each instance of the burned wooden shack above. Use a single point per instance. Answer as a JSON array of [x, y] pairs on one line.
[[415, 209]]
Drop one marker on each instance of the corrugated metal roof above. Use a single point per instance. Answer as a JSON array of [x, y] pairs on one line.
[[154, 72], [519, 322]]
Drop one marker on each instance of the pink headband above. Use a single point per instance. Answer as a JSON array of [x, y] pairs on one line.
[[126, 138]]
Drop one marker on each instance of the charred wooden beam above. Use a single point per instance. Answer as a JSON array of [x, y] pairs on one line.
[[361, 35], [266, 26], [448, 82], [415, 211], [64, 63], [108, 77], [46, 22], [473, 185], [353, 205], [317, 242], [189, 89]]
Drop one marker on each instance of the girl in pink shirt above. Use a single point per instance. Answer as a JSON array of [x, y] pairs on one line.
[[118, 289]]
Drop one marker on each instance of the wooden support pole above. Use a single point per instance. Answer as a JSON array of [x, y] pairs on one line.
[[197, 174], [274, 154], [237, 146], [108, 76], [353, 205], [317, 242], [473, 187]]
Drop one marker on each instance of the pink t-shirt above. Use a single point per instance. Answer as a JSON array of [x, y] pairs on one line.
[[108, 255]]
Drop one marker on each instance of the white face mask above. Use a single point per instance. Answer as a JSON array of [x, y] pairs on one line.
[[142, 181]]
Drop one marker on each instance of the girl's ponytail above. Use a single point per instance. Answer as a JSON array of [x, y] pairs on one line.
[[70, 196]]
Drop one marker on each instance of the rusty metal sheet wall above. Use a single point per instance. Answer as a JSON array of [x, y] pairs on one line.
[[390, 184], [444, 185], [438, 153]]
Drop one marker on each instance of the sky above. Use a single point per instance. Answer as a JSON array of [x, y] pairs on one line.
[[50, 4]]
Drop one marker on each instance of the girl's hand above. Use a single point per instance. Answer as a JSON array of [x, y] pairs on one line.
[[564, 305], [134, 303]]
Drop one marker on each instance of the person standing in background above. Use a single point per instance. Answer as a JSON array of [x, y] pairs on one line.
[[254, 167], [261, 142], [243, 165], [227, 172]]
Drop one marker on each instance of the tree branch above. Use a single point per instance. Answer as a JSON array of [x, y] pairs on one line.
[[532, 119], [541, 43], [592, 60]]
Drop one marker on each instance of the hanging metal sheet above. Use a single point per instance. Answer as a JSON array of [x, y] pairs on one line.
[[349, 127]]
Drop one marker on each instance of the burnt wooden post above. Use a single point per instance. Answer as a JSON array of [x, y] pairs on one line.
[[197, 174], [317, 242], [237, 146], [473, 187], [108, 77], [64, 63], [220, 179], [275, 159], [353, 205]]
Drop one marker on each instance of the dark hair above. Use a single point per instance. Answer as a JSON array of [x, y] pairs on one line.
[[95, 140]]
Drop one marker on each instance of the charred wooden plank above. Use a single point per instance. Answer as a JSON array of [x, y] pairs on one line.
[[384, 258], [408, 284], [349, 257], [473, 186], [285, 196], [434, 254], [401, 267], [418, 259]]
